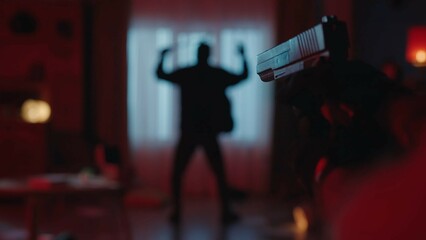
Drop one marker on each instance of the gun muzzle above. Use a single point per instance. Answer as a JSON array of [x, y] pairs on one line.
[[327, 40]]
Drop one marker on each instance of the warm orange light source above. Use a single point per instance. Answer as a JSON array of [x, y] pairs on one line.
[[35, 111], [421, 56], [416, 46], [300, 219]]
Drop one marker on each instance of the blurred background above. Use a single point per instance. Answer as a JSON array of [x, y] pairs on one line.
[[86, 68]]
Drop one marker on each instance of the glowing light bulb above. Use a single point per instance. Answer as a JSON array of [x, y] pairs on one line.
[[421, 56], [35, 111]]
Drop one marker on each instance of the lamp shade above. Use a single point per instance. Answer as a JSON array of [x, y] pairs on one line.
[[416, 46]]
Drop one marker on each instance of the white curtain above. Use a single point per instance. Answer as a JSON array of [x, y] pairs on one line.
[[153, 105]]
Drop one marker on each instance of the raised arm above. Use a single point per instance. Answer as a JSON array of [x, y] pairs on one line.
[[160, 69], [244, 74]]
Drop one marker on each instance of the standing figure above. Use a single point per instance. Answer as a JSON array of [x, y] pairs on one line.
[[205, 112]]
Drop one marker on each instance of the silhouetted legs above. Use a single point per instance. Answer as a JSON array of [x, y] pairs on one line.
[[215, 159], [185, 148]]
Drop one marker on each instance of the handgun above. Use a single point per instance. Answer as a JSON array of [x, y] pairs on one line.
[[327, 40]]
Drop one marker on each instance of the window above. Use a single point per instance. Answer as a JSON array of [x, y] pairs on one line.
[[153, 105]]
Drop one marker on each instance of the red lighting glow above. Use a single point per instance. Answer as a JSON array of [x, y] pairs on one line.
[[416, 46]]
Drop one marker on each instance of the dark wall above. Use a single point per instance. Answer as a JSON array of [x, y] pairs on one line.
[[380, 29], [71, 54]]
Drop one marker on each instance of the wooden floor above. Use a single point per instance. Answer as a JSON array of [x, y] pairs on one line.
[[261, 219]]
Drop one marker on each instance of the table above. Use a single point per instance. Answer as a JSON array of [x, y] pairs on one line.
[[37, 188]]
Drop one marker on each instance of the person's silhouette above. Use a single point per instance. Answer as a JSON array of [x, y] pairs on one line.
[[205, 112]]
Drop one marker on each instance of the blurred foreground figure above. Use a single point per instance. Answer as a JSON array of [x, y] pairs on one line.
[[390, 201], [345, 106], [205, 112], [351, 128], [357, 152]]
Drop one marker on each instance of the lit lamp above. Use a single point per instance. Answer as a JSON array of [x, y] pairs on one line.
[[35, 111], [416, 46]]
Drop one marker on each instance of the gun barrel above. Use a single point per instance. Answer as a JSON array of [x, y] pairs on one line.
[[327, 39]]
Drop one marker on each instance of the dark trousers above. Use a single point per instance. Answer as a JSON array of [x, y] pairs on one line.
[[186, 146]]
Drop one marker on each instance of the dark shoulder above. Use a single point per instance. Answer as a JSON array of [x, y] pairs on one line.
[[183, 72], [219, 71]]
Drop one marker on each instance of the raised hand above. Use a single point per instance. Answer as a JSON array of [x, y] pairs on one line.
[[165, 51], [241, 49]]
